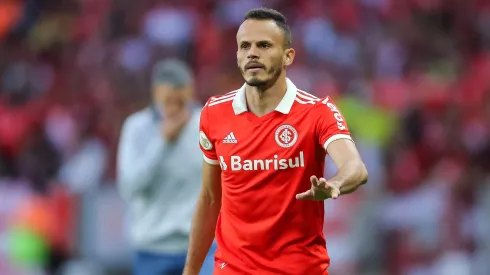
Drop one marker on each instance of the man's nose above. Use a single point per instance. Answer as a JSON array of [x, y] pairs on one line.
[[253, 53]]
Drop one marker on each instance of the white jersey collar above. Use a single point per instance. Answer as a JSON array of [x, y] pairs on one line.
[[240, 101]]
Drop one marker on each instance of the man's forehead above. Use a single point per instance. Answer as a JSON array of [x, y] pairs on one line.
[[170, 89], [258, 30]]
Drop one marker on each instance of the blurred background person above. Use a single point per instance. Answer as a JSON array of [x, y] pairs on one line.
[[159, 171], [411, 77]]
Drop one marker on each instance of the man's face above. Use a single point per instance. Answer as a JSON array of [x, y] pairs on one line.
[[170, 101], [261, 55]]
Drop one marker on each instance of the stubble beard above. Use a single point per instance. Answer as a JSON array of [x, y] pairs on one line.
[[263, 84]]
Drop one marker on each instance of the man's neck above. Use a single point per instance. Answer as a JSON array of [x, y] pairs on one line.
[[262, 102]]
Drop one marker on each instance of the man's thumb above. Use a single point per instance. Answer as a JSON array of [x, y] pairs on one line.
[[335, 193], [305, 195]]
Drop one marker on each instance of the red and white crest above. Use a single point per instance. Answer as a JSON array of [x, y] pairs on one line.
[[286, 136]]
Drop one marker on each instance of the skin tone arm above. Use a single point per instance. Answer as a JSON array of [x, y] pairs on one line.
[[352, 173], [205, 218]]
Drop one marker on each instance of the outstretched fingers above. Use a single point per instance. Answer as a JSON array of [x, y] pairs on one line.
[[308, 195]]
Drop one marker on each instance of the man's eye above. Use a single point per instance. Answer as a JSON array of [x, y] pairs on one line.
[[244, 46]]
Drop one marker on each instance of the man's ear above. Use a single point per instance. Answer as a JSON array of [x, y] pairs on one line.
[[289, 56]]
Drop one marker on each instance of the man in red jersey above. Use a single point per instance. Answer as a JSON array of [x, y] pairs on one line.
[[264, 148]]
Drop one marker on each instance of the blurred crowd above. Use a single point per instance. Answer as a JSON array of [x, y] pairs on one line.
[[412, 78]]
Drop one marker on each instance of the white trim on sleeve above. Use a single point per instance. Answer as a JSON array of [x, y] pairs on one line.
[[334, 138], [210, 161]]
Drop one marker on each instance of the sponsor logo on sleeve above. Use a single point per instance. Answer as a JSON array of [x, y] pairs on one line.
[[336, 114]]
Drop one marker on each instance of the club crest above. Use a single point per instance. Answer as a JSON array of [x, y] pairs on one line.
[[286, 136]]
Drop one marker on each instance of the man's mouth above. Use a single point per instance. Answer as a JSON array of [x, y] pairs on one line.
[[254, 67]]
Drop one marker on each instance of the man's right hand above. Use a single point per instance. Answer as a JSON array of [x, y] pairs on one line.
[[172, 126]]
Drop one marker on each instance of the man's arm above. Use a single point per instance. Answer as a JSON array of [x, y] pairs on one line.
[[333, 134], [137, 162], [352, 171], [205, 217]]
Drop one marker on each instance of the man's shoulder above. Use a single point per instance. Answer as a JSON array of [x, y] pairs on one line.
[[324, 104], [220, 101], [140, 117], [307, 101], [220, 106]]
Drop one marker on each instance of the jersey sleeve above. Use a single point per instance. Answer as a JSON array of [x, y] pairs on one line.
[[331, 124], [206, 141]]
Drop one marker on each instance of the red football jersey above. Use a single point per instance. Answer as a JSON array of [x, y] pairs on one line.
[[265, 162]]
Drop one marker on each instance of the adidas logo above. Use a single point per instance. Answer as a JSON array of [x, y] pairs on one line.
[[230, 138]]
